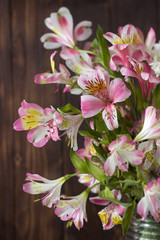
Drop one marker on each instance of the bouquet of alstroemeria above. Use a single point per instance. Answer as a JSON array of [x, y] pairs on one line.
[[120, 100]]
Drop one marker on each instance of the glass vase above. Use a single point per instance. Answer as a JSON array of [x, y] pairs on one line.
[[143, 230]]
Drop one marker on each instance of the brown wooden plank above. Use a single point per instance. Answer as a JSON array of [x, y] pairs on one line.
[[157, 6], [142, 14], [6, 136], [32, 220]]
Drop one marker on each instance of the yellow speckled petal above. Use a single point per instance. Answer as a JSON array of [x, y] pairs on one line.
[[104, 217], [33, 111], [31, 120], [93, 151], [116, 219], [52, 64]]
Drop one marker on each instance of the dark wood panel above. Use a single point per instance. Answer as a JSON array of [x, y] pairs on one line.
[[32, 220], [142, 14], [6, 132]]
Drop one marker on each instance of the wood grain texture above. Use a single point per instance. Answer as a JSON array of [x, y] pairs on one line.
[[23, 56], [142, 14], [32, 221], [6, 132]]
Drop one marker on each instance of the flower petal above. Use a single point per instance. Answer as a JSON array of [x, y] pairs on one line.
[[91, 106], [109, 115], [83, 31], [38, 136], [151, 38], [118, 91], [99, 201], [110, 165], [142, 208], [51, 41]]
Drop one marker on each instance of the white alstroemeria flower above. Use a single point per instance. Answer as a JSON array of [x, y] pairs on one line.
[[38, 185], [151, 126]]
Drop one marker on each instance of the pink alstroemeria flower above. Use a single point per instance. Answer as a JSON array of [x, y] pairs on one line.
[[145, 75], [122, 57], [130, 42], [151, 201], [131, 50], [80, 64], [61, 23], [111, 214], [73, 208], [150, 169], [105, 94], [61, 77], [41, 123], [129, 34], [71, 124], [87, 179], [123, 152], [151, 126], [38, 185], [55, 77]]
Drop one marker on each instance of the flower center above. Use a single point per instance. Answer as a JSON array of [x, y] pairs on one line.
[[97, 88], [31, 120]]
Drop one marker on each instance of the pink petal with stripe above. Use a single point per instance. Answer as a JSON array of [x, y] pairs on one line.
[[83, 31], [151, 38], [110, 116], [63, 25], [18, 125], [51, 41], [38, 136], [118, 92], [91, 106]]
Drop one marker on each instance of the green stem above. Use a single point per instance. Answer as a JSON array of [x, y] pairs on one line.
[[68, 176], [93, 186], [86, 51]]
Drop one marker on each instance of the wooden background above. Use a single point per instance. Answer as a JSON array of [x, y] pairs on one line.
[[21, 57]]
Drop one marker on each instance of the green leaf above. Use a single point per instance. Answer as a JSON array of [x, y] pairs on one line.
[[130, 182], [156, 96], [113, 183], [105, 55], [105, 142], [69, 107], [94, 43], [97, 160], [95, 171], [137, 191], [94, 132], [78, 162], [86, 133], [108, 195], [139, 99], [127, 217], [99, 124], [100, 151]]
